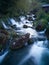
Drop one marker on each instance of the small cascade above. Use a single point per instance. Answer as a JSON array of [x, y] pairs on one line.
[[18, 24], [4, 25]]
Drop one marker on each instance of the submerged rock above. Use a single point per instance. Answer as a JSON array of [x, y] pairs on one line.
[[19, 42]]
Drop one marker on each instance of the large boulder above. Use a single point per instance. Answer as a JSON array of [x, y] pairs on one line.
[[20, 42]]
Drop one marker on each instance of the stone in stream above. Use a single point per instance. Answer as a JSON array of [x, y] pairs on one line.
[[25, 26], [20, 42], [30, 19]]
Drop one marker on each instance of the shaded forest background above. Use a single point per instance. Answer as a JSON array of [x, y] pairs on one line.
[[15, 7]]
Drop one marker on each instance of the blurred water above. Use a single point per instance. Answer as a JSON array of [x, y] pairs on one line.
[[3, 56], [36, 54]]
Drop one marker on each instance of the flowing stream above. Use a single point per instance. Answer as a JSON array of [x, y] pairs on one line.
[[34, 54]]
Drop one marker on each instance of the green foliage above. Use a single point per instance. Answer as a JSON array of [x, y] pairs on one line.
[[23, 5], [47, 17], [11, 8], [42, 18], [35, 5], [7, 7], [41, 14], [12, 33], [44, 23], [41, 24]]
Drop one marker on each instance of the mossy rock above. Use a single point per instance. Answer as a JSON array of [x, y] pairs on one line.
[[41, 24], [19, 42]]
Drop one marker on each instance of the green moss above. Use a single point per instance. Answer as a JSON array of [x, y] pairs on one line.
[[44, 23]]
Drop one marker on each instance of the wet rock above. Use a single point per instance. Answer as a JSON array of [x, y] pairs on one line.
[[13, 26], [25, 26], [30, 41], [20, 42], [30, 19]]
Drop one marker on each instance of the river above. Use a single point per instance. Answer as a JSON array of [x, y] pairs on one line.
[[33, 54]]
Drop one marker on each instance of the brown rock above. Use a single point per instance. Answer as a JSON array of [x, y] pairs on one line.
[[20, 42]]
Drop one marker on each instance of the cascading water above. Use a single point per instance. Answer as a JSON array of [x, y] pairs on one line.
[[4, 25], [3, 56], [36, 51], [37, 48]]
